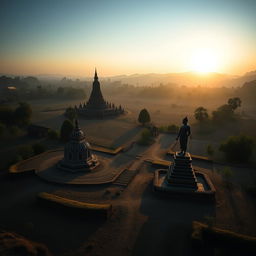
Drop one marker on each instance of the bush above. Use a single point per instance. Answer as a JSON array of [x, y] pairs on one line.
[[25, 151], [170, 128], [173, 128], [146, 137], [38, 148], [238, 148], [66, 130], [53, 135]]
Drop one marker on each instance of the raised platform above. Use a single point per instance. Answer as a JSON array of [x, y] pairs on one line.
[[99, 113], [44, 165], [181, 179], [205, 189]]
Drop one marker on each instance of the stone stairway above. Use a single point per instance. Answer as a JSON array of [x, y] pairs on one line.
[[125, 177], [181, 173]]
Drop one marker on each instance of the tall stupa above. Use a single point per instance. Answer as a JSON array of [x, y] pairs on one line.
[[96, 106]]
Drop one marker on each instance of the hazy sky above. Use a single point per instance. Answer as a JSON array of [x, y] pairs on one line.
[[125, 37]]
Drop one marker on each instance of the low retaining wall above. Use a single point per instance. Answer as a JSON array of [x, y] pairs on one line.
[[52, 200], [205, 238]]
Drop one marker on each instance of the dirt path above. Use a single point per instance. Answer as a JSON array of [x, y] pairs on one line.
[[143, 223]]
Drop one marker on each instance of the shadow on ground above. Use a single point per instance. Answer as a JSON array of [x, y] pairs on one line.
[[167, 229], [59, 231]]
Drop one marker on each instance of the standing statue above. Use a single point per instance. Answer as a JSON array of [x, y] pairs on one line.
[[183, 135]]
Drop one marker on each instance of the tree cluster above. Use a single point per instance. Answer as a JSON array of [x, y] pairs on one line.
[[19, 116], [223, 113], [238, 148]]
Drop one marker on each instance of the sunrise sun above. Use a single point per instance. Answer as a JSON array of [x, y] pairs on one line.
[[204, 61]]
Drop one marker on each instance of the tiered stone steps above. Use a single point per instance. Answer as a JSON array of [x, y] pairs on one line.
[[125, 177], [181, 173]]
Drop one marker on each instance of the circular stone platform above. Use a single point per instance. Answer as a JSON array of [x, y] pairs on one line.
[[46, 168]]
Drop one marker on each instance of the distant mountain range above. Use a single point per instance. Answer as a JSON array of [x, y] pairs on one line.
[[187, 79], [153, 79]]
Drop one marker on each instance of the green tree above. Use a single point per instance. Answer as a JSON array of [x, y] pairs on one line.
[[70, 113], [23, 113], [223, 113], [238, 148], [144, 117], [201, 114], [234, 103], [66, 130]]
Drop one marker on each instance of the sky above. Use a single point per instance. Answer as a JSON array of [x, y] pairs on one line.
[[126, 37]]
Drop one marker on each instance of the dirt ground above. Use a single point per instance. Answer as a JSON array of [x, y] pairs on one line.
[[142, 223]]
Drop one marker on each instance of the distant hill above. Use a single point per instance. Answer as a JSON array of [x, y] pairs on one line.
[[154, 79], [188, 79]]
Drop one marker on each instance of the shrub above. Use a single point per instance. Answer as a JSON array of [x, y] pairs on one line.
[[238, 148], [173, 128], [170, 128], [38, 148], [66, 130], [146, 137]]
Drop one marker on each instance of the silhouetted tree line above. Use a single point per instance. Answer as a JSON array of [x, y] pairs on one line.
[[20, 116], [29, 88]]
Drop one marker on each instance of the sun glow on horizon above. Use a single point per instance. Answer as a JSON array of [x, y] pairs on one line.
[[204, 61]]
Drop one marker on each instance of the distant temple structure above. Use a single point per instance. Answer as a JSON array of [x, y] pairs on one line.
[[77, 154], [96, 106]]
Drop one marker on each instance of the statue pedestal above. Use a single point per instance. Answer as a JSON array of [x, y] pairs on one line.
[[180, 180], [181, 173]]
